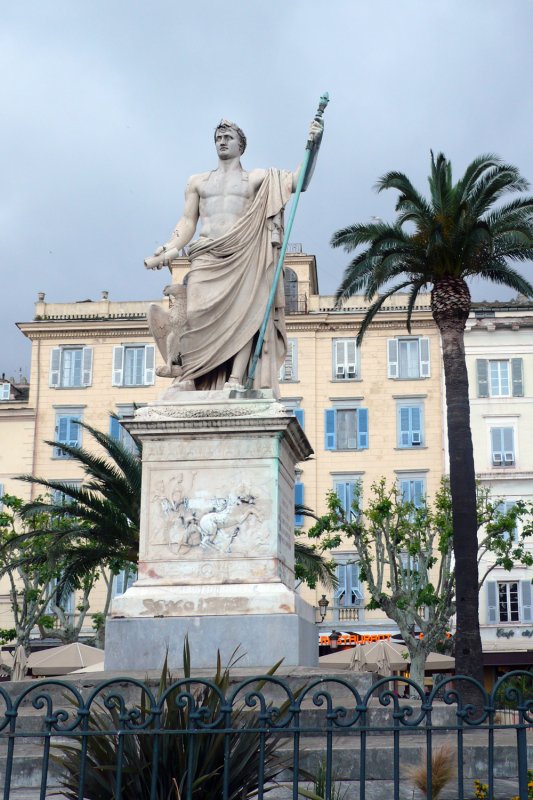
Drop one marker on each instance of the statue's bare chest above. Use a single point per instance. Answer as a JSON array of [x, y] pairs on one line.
[[226, 184]]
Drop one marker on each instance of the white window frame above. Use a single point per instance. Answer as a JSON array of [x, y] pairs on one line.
[[288, 372], [5, 391], [57, 367], [508, 584], [345, 367], [119, 364], [394, 357], [499, 363]]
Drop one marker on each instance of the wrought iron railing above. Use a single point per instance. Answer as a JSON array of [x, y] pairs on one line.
[[198, 739], [296, 305]]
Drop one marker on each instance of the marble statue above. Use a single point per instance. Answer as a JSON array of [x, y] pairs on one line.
[[207, 336]]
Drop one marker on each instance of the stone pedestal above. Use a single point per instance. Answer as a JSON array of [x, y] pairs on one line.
[[216, 557]]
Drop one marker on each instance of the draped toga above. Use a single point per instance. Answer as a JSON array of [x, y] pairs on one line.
[[228, 286]]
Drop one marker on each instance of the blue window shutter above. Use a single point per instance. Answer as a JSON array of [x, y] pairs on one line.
[[74, 431], [424, 357], [516, 373], [87, 369], [418, 492], [114, 428], [341, 583], [299, 414], [416, 426], [149, 364], [55, 364], [62, 429], [362, 428], [350, 486], [118, 365], [405, 490], [298, 500], [527, 601], [341, 492], [330, 428], [392, 358], [492, 601], [405, 437], [482, 371]]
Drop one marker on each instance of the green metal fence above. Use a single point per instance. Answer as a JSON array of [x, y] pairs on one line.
[[196, 739]]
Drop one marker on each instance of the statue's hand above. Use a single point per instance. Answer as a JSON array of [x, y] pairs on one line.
[[316, 130], [160, 249], [155, 262]]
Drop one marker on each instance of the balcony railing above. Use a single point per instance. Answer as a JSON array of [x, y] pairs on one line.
[[296, 305]]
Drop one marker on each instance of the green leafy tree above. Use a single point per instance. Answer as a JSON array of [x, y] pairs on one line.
[[33, 569], [463, 230], [406, 560]]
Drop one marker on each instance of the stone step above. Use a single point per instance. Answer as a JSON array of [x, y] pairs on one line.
[[27, 760]]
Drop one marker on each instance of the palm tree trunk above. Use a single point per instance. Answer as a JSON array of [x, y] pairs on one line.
[[468, 652]]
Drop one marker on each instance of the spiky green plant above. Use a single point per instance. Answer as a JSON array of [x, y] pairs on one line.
[[183, 759]]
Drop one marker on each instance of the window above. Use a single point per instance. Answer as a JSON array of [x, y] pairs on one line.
[[70, 367], [289, 369], [410, 425], [502, 446], [344, 359], [290, 285], [1, 496], [509, 601], [346, 428], [59, 498], [499, 377], [5, 391], [408, 358], [348, 591], [133, 365], [123, 581], [64, 600], [413, 490], [119, 432], [67, 431], [299, 495], [292, 406], [346, 489], [503, 508]]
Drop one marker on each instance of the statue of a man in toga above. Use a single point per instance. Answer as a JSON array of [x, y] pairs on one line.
[[232, 266]]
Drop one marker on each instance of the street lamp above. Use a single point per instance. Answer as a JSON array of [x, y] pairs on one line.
[[334, 639], [323, 604]]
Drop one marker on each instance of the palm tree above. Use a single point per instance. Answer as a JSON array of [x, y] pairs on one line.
[[462, 231], [99, 518]]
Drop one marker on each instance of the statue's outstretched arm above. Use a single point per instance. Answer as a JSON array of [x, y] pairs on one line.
[[183, 231]]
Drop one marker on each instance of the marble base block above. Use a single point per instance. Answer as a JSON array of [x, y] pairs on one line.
[[262, 639], [216, 554]]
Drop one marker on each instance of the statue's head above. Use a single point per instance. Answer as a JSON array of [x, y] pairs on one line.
[[225, 125]]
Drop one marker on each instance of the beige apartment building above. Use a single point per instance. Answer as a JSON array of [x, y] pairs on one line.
[[369, 412]]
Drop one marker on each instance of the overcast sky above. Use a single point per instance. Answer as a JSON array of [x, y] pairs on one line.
[[108, 106]]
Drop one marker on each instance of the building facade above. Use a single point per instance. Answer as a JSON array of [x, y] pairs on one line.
[[369, 412]]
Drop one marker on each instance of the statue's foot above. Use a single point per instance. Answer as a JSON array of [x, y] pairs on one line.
[[233, 383]]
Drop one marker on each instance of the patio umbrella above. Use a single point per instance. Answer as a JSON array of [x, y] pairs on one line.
[[383, 657], [20, 664], [65, 659]]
